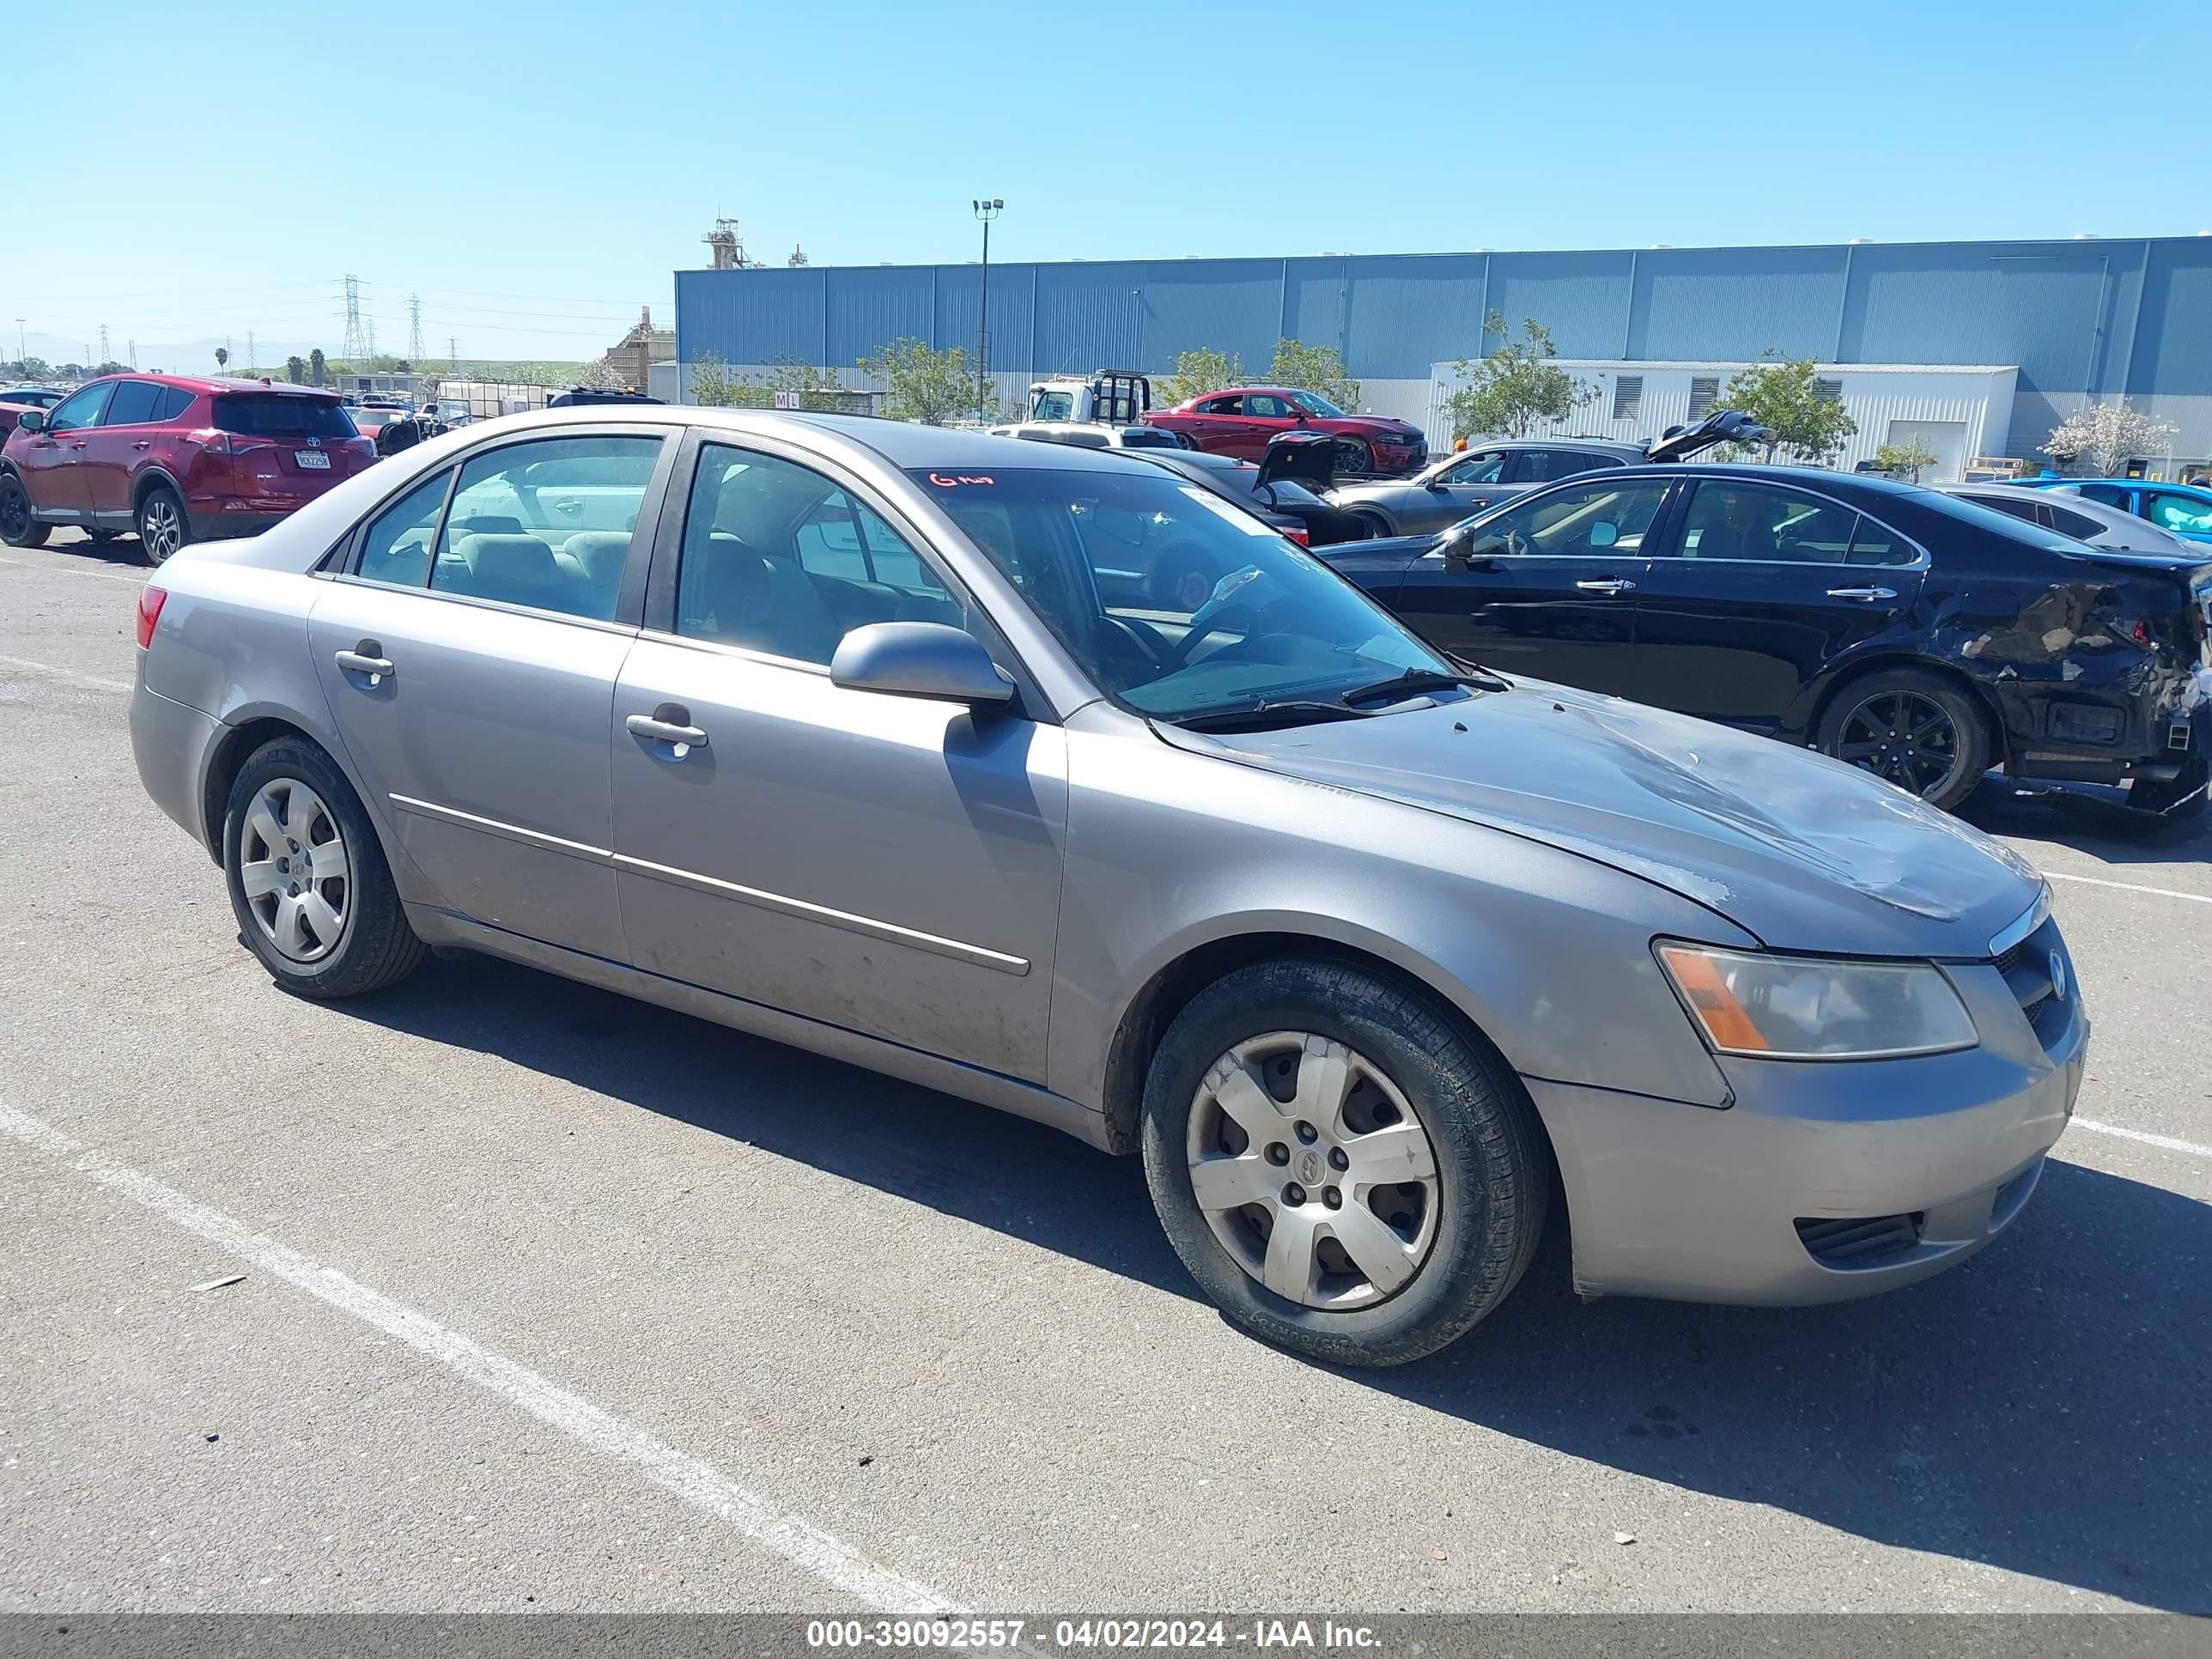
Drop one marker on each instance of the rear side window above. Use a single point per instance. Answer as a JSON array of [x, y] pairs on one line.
[[175, 400], [2080, 526], [546, 524], [135, 402], [273, 415]]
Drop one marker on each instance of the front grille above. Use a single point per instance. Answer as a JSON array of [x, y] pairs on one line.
[[2028, 974], [1859, 1240]]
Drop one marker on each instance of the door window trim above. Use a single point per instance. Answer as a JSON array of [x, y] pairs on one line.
[[1919, 560], [343, 562], [657, 620], [1656, 532]]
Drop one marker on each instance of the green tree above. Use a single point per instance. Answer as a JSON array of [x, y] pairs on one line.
[[712, 385], [1316, 368], [1906, 460], [317, 366], [1786, 398], [295, 369], [1516, 386], [222, 357], [932, 387], [1196, 373]]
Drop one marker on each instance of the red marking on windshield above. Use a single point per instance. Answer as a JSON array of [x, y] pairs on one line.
[[943, 482]]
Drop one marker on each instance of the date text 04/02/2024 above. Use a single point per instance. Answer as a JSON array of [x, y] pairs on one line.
[[967, 1632]]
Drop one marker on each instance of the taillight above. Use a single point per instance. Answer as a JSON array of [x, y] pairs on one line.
[[1299, 533], [150, 601]]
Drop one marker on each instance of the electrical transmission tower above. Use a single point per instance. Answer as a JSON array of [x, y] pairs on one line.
[[104, 357], [413, 328], [453, 353], [357, 343]]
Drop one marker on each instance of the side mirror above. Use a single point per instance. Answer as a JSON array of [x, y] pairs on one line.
[[1460, 553], [33, 420], [920, 659], [1300, 415]]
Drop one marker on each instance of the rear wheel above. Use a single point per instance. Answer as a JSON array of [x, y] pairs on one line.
[[1342, 1167], [313, 897], [1911, 728], [1375, 524], [17, 526], [162, 526]]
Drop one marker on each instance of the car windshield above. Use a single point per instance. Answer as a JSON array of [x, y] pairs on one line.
[[280, 415], [1314, 403], [1176, 603]]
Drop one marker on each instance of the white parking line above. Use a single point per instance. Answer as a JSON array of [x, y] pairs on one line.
[[69, 674], [2168, 1142], [697, 1483], [2129, 887], [65, 570]]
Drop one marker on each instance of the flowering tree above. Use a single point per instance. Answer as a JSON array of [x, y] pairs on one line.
[[2107, 435]]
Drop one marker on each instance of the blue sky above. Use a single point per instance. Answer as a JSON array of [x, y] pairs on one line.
[[536, 172]]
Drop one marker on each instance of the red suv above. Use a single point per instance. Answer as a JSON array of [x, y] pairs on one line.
[[1239, 422], [176, 460]]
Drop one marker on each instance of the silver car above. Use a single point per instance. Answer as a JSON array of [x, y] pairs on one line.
[[824, 728], [2100, 524], [1445, 491]]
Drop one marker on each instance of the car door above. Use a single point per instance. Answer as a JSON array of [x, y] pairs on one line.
[[1266, 415], [1761, 589], [51, 461], [470, 657], [1461, 489], [1546, 587], [1219, 424], [125, 434], [887, 864]]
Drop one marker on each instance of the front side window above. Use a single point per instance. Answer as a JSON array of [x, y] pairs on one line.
[[2110, 496], [1729, 519], [1577, 520], [135, 402], [1176, 603], [397, 549], [1314, 403], [2185, 516], [778, 558], [546, 524], [1487, 467], [83, 410], [1054, 406]]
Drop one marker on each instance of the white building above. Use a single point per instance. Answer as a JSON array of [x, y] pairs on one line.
[[1957, 413]]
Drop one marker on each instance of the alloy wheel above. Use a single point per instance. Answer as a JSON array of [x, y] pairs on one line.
[[1906, 737], [1313, 1170], [294, 870], [15, 511], [160, 528]]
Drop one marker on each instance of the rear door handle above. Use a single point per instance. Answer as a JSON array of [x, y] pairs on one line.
[[675, 731], [1609, 584], [365, 661], [1864, 595], [143, 443]]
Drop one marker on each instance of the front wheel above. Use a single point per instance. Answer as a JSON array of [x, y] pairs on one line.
[[308, 883], [1345, 1171], [162, 526], [18, 527], [1911, 728], [1353, 456]]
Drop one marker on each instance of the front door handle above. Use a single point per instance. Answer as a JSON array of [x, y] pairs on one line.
[[366, 658], [1864, 595], [1609, 584], [670, 723]]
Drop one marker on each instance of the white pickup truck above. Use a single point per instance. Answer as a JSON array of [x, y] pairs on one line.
[[1101, 410]]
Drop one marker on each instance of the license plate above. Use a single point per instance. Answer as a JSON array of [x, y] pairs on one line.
[[313, 458]]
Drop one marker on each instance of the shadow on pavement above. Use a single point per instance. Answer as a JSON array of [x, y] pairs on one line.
[[2042, 1409], [2088, 818]]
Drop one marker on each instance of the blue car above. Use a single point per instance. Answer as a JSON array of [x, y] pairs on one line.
[[2184, 509]]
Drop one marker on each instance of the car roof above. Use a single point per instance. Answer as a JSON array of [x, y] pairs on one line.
[[1813, 477], [1607, 446], [209, 385]]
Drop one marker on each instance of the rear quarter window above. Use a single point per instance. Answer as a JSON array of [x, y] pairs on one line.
[[273, 415]]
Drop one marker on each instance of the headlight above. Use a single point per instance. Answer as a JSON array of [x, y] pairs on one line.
[[1802, 1008]]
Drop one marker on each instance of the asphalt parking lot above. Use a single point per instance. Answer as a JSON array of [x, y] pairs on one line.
[[553, 1300]]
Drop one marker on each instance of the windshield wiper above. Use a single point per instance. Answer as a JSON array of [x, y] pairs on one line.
[[1423, 679], [1286, 711]]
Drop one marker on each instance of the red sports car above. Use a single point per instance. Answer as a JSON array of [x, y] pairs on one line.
[[1240, 421]]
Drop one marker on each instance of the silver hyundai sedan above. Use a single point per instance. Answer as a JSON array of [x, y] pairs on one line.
[[862, 737]]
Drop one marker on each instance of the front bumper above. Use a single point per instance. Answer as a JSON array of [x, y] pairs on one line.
[[1935, 1155]]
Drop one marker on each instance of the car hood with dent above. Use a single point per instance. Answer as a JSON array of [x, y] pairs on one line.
[[1803, 852]]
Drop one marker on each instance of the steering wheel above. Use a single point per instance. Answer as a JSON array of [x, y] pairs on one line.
[[1207, 621], [1156, 651]]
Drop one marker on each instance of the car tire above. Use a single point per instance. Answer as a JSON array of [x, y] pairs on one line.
[[1376, 525], [1897, 722], [1480, 1211], [18, 528], [1183, 578], [1354, 456], [163, 527], [287, 805]]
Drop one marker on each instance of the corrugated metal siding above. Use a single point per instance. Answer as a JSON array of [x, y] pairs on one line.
[[2078, 318]]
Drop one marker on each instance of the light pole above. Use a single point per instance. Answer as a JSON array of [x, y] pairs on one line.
[[986, 211], [22, 351]]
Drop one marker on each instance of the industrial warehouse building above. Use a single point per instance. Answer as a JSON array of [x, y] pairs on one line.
[[1973, 347]]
